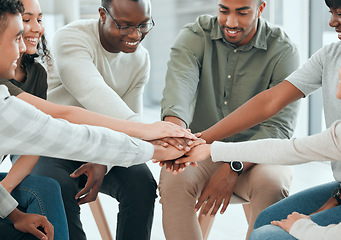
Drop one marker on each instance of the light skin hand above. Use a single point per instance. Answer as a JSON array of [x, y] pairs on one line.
[[197, 154], [287, 223], [218, 190], [173, 166], [161, 129], [29, 223], [95, 174], [166, 153]]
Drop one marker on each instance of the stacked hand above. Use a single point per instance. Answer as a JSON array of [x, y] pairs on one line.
[[184, 147], [194, 151]]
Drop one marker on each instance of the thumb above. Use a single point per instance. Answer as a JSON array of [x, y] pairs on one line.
[[39, 234], [79, 171]]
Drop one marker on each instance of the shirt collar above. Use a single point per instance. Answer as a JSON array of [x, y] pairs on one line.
[[258, 41]]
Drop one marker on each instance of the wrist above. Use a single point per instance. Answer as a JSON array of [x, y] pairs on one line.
[[8, 186], [15, 215], [229, 171], [206, 136], [157, 151], [176, 121]]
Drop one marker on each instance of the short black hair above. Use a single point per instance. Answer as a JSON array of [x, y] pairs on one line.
[[9, 6], [333, 3], [105, 3]]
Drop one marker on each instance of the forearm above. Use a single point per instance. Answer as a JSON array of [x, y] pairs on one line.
[[82, 116], [324, 146], [20, 169], [258, 109], [176, 121]]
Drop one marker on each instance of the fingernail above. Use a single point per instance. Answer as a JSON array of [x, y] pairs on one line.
[[180, 146], [190, 142], [187, 148]]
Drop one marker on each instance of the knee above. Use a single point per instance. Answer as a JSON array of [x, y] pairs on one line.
[[267, 232], [272, 181], [261, 220], [142, 190]]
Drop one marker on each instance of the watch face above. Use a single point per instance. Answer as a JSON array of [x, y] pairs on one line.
[[236, 166]]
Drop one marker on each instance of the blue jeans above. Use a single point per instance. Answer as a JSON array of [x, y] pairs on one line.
[[305, 202], [39, 195]]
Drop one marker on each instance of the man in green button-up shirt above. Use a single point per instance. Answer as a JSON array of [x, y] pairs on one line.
[[216, 65]]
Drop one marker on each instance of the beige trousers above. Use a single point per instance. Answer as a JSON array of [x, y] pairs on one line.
[[262, 186]]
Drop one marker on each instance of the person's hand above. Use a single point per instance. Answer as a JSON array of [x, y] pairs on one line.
[[218, 190], [197, 154], [95, 174], [175, 167], [179, 143], [287, 223], [332, 202], [29, 223], [162, 129]]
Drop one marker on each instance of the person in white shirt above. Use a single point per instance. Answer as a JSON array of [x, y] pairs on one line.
[[102, 67], [26, 130]]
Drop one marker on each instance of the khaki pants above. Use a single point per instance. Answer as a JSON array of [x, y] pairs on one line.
[[262, 186]]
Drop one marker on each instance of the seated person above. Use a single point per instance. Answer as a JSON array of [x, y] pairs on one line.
[[318, 72], [25, 130]]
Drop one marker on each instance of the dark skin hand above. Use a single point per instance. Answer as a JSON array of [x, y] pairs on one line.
[[29, 223], [171, 166], [95, 174], [219, 188]]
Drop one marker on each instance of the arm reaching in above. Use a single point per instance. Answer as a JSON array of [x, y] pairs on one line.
[[82, 116], [20, 169]]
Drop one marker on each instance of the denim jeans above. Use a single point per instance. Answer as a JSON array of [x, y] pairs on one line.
[[305, 202], [39, 195]]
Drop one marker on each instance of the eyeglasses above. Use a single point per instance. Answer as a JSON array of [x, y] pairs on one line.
[[126, 30]]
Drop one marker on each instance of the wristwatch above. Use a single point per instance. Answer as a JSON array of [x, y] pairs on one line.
[[336, 195], [237, 167]]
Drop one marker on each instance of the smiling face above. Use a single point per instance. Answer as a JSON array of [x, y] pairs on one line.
[[33, 26], [238, 19], [124, 12], [335, 20], [11, 46]]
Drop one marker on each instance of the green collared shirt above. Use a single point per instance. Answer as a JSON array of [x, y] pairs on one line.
[[208, 77]]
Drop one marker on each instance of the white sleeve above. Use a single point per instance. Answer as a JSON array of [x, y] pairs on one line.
[[306, 229], [7, 202], [325, 146], [24, 130]]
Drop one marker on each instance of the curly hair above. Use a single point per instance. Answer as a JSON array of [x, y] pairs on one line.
[[333, 3], [42, 52], [8, 6]]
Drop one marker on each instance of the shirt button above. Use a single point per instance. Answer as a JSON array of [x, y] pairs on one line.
[[235, 50], [225, 103], [228, 76]]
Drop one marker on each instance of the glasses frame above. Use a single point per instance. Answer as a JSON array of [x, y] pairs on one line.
[[138, 27]]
